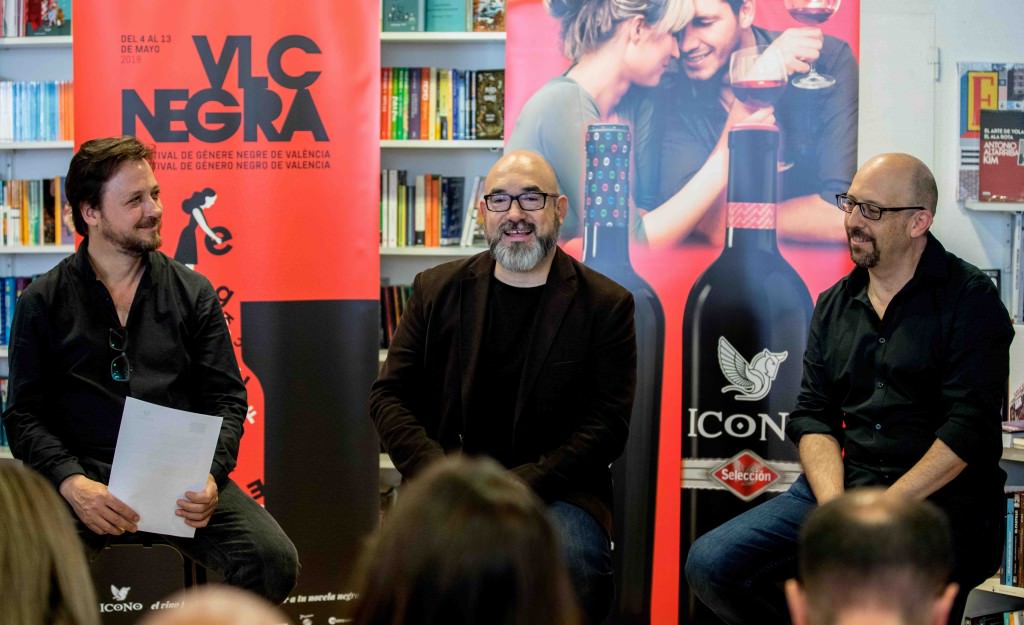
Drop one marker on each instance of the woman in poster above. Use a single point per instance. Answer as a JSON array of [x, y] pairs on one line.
[[614, 45], [195, 206]]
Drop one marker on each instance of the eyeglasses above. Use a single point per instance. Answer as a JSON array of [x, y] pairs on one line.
[[529, 201], [870, 211], [120, 368]]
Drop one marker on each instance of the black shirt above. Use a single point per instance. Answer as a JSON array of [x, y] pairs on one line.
[[935, 366], [511, 312], [64, 408]]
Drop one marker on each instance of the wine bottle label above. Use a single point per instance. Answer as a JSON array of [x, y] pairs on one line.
[[607, 187], [751, 215], [746, 474]]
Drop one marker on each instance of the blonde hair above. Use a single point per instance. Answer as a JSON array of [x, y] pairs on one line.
[[588, 24], [44, 578], [217, 604]]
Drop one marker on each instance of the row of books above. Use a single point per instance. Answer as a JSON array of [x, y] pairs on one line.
[[11, 288], [429, 210], [1011, 573], [999, 618], [3, 406], [434, 103], [33, 18], [442, 15], [393, 299], [36, 110], [32, 213]]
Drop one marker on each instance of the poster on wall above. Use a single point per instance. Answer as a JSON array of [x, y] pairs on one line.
[[983, 86], [701, 154], [249, 105]]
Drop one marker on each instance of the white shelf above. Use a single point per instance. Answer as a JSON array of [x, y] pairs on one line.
[[457, 144], [37, 249], [37, 145], [995, 207], [419, 250], [1013, 454], [42, 41], [415, 37], [992, 585]]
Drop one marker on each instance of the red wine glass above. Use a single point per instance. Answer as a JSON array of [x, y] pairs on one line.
[[813, 13]]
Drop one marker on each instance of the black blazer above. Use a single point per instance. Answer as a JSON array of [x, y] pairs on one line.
[[575, 397]]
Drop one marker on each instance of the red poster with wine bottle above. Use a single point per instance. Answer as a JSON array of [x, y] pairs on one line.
[[730, 278]]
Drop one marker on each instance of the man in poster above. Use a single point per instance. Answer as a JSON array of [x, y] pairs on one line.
[[695, 107]]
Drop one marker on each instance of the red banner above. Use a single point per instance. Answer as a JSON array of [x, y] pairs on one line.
[[269, 174]]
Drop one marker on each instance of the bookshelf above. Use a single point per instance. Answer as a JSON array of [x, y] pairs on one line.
[[466, 158], [32, 59]]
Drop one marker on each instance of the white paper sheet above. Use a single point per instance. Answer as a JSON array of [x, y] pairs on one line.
[[161, 453]]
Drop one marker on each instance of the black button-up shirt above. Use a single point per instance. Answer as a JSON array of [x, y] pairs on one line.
[[64, 408], [936, 366]]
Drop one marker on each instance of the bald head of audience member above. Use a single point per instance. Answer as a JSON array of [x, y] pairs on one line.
[[44, 578], [217, 605], [871, 558], [467, 543]]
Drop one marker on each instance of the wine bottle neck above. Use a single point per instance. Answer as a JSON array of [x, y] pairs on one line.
[[605, 245], [751, 225]]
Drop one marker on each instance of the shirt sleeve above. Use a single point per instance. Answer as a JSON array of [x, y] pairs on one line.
[[816, 412], [393, 396], [220, 390], [836, 151], [975, 373], [25, 419]]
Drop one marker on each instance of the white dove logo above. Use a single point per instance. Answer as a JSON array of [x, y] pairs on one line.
[[752, 381], [119, 594]]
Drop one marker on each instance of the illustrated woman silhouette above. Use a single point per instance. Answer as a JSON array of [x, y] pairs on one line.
[[187, 252]]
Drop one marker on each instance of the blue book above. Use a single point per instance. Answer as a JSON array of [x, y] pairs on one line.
[[402, 15], [446, 16], [10, 296]]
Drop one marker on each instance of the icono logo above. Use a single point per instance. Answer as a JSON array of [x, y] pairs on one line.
[[750, 380], [120, 595]]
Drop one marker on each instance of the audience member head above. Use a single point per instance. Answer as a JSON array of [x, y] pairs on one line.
[[92, 166], [44, 578], [869, 557], [467, 543], [586, 25], [217, 605]]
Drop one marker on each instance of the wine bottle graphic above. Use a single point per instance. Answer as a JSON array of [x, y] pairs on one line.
[[606, 249], [744, 331]]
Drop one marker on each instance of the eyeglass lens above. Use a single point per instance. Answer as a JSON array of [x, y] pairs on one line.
[[120, 368]]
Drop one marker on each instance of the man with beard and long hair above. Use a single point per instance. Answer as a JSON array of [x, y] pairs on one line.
[[119, 319], [522, 354], [904, 378]]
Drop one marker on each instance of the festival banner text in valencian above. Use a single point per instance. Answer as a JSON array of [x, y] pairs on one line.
[[268, 172], [723, 262]]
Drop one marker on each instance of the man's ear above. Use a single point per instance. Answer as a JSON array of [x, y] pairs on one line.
[[921, 222], [940, 610], [90, 214], [562, 206], [746, 14], [797, 600]]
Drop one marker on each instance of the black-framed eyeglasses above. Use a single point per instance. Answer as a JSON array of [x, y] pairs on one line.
[[120, 368], [870, 211], [528, 201]]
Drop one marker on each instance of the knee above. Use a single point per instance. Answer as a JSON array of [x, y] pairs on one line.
[[280, 565], [702, 562]]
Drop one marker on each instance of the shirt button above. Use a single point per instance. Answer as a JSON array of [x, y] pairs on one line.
[[881, 385], [881, 339], [878, 426]]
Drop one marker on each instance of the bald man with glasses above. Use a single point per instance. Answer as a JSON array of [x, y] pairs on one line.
[[522, 354], [904, 376]]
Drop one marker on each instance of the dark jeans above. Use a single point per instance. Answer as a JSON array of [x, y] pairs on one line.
[[242, 542], [588, 555], [737, 569]]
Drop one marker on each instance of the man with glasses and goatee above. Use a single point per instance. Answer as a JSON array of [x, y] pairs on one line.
[[904, 377], [522, 354], [119, 319]]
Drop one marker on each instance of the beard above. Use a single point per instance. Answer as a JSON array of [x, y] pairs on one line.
[[135, 243], [865, 259], [522, 256]]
